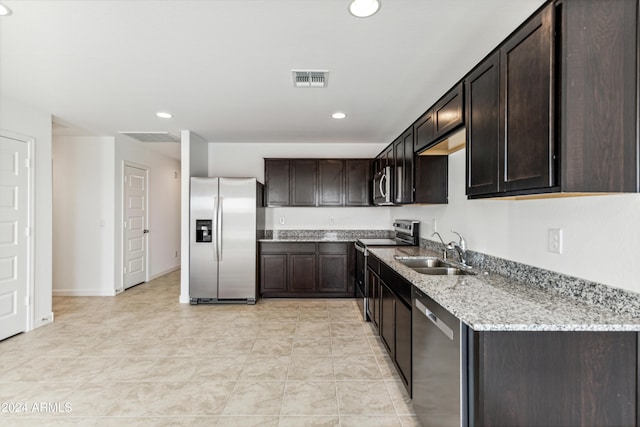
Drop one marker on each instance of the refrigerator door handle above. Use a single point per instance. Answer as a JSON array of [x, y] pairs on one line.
[[219, 229], [215, 228]]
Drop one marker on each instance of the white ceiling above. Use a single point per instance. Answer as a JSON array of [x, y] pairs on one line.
[[223, 67]]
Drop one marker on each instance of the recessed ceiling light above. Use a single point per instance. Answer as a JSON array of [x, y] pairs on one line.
[[338, 115], [4, 10], [364, 8], [164, 115]]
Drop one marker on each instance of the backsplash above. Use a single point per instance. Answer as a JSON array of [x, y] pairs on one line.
[[615, 299]]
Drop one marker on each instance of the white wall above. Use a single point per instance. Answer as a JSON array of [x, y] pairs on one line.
[[22, 119], [601, 233], [164, 206], [195, 159], [83, 216], [247, 160]]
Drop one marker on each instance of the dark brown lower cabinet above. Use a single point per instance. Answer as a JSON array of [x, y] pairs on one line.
[[273, 273], [301, 273], [373, 292], [388, 318], [389, 308], [553, 379], [403, 341], [309, 269]]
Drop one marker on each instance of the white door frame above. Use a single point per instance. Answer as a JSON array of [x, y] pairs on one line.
[[122, 215], [30, 141]]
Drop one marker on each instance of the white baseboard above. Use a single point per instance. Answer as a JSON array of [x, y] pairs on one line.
[[171, 270], [184, 299], [42, 322], [84, 292]]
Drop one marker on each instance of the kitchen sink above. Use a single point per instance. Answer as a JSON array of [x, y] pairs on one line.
[[432, 266], [441, 271], [421, 262]]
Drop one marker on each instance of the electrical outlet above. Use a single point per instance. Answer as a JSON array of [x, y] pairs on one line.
[[332, 220], [434, 225], [282, 221], [554, 240]]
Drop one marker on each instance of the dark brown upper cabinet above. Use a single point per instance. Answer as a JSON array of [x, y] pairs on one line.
[[567, 105], [482, 96], [317, 182], [304, 182], [276, 176], [431, 179], [527, 110], [384, 159], [423, 131], [448, 112], [331, 179], [357, 172], [403, 170], [599, 89]]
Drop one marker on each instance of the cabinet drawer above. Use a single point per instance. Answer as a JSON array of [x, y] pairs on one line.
[[332, 248], [287, 247], [396, 283]]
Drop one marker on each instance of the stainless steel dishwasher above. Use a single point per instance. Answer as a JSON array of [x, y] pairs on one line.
[[439, 365]]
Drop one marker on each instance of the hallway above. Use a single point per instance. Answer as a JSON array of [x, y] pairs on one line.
[[141, 358]]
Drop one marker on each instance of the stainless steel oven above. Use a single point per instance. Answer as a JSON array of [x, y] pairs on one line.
[[407, 233]]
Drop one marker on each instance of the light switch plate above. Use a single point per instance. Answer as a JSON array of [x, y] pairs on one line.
[[554, 240]]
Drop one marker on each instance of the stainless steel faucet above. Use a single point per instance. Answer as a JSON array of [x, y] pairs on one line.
[[444, 250], [460, 247]]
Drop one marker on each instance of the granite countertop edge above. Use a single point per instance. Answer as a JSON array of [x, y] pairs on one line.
[[491, 302], [308, 239]]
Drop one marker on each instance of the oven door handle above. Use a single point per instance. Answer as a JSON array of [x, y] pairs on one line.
[[360, 248]]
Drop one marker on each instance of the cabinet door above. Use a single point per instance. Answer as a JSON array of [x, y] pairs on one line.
[[423, 131], [447, 112], [373, 292], [273, 273], [483, 127], [304, 182], [407, 176], [332, 273], [302, 273], [387, 158], [357, 183], [599, 92], [276, 176], [527, 80], [431, 179], [387, 318], [403, 342], [554, 378], [331, 179], [403, 154]]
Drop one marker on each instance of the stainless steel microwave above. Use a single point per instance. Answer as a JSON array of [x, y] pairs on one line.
[[383, 187]]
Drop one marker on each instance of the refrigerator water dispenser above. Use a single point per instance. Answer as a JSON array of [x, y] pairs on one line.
[[204, 231]]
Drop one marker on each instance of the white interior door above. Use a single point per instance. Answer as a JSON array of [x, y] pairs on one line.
[[135, 226], [14, 188]]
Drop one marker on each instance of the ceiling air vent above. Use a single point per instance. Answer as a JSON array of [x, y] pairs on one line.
[[307, 78], [152, 136]]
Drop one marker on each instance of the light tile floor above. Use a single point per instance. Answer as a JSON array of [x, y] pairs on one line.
[[141, 358]]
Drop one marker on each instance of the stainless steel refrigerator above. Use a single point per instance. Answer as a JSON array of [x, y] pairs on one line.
[[226, 216]]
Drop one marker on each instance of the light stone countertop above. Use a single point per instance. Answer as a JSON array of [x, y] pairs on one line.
[[298, 239], [491, 302]]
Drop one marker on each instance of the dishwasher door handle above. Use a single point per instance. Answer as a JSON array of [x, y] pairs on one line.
[[434, 319]]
